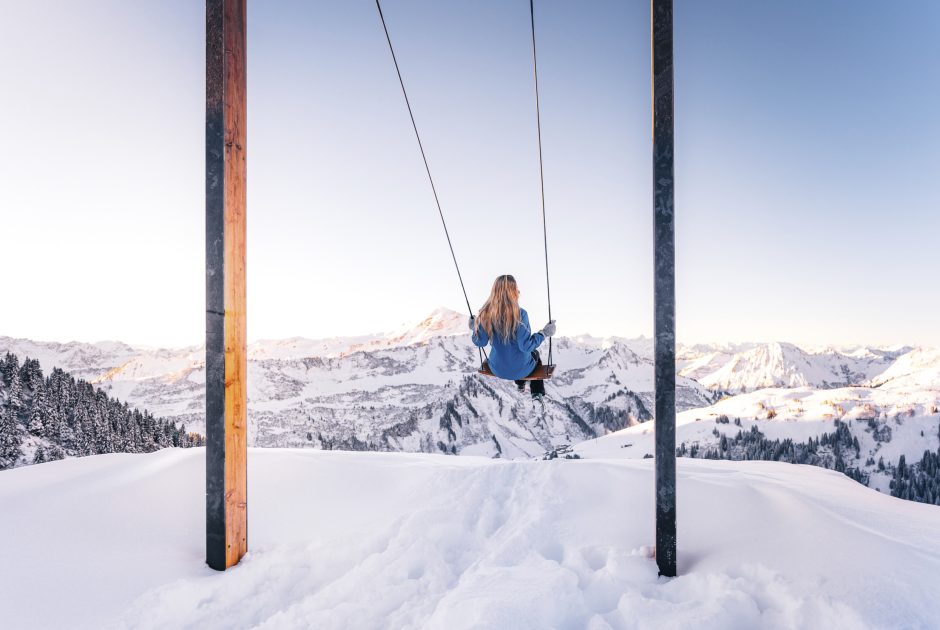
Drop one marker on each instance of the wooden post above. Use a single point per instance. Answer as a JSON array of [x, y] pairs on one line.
[[226, 368], [664, 286]]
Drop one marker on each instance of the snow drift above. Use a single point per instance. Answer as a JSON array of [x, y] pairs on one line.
[[367, 540]]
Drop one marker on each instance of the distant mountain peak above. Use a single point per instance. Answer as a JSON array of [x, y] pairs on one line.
[[442, 322]]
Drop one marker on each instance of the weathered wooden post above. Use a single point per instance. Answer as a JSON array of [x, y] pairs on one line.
[[226, 368], [664, 289]]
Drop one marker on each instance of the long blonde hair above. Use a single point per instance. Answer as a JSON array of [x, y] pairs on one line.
[[501, 316]]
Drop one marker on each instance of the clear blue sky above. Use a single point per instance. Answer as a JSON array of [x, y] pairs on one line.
[[807, 144]]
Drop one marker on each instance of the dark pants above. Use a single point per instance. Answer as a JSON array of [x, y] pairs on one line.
[[536, 387]]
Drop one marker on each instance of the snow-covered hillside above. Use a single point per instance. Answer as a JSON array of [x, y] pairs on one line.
[[888, 422], [386, 540], [756, 366], [914, 370]]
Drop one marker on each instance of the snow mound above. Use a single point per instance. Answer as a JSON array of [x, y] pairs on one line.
[[365, 540]]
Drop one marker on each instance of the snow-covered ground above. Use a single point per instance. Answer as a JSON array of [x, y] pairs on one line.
[[910, 415], [393, 540]]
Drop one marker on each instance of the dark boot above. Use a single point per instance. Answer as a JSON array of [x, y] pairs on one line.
[[537, 388]]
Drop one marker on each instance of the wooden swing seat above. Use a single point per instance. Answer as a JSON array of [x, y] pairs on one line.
[[540, 373]]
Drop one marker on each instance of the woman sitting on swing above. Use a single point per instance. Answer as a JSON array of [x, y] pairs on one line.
[[502, 323]]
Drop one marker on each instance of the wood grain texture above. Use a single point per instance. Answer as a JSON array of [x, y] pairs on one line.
[[540, 373], [236, 373], [226, 361]]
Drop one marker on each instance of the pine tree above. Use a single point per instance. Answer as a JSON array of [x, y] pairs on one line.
[[30, 374], [10, 439], [83, 438], [39, 411], [35, 424], [73, 417], [54, 425], [182, 437], [16, 402], [8, 367], [102, 433]]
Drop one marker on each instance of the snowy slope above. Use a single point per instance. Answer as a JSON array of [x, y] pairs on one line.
[[367, 540], [905, 423], [756, 366], [917, 369]]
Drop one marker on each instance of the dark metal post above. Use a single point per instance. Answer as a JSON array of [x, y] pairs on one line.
[[226, 367], [664, 290]]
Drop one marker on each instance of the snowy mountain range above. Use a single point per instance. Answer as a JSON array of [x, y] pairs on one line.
[[416, 388], [413, 389], [748, 367]]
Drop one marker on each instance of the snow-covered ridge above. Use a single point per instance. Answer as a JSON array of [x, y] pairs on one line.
[[919, 368], [441, 322], [779, 364], [81, 360], [724, 367]]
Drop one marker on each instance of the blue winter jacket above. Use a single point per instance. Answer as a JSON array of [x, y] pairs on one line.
[[512, 359]]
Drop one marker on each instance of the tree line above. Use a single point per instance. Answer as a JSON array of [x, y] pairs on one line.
[[920, 482], [62, 416], [838, 450]]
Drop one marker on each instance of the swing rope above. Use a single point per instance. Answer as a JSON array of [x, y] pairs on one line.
[[538, 124], [427, 168]]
